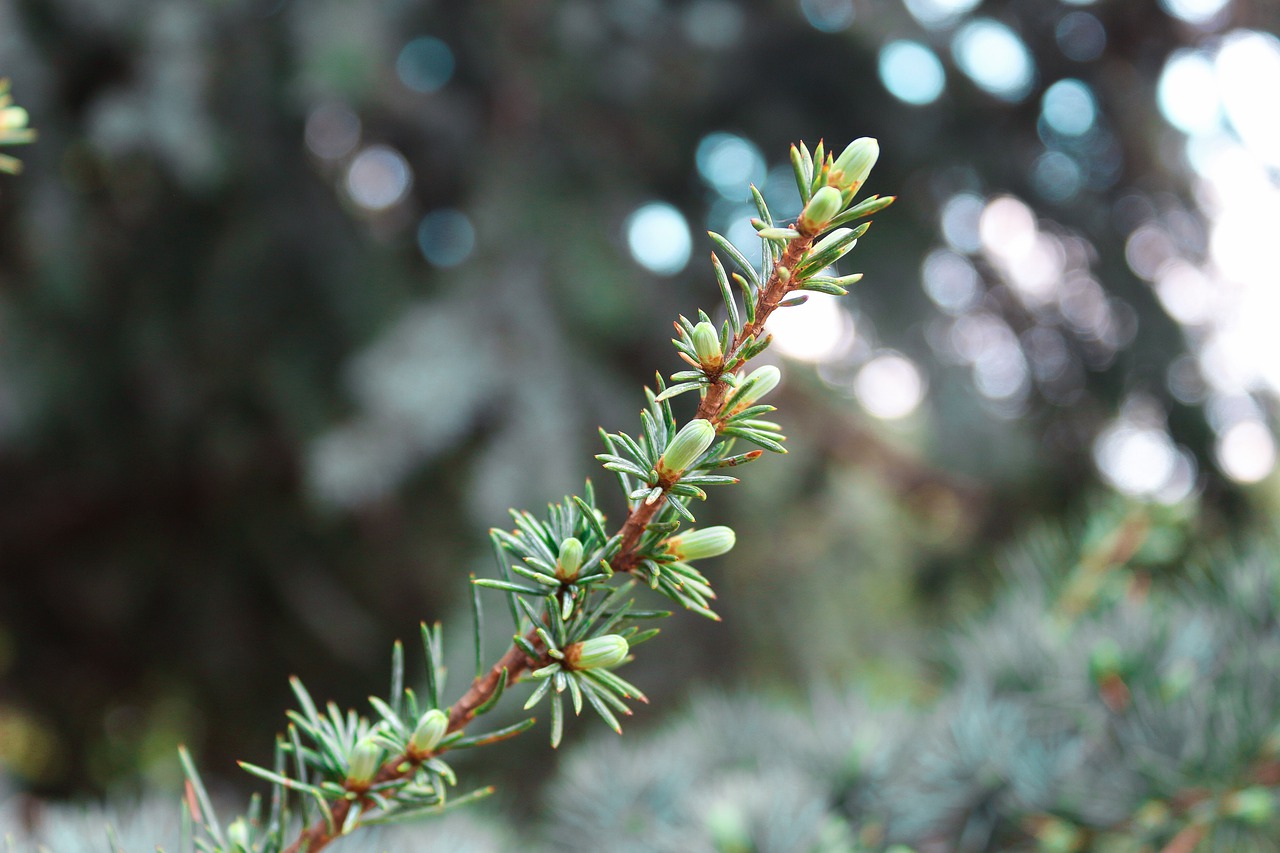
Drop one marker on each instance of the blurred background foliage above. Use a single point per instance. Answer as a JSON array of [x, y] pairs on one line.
[[297, 297]]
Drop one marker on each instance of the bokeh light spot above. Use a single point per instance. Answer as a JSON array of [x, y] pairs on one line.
[[1069, 108], [1248, 72], [1242, 238], [1185, 381], [940, 13], [951, 281], [1057, 176], [819, 330], [425, 64], [911, 72], [446, 237], [991, 348], [995, 58], [889, 386], [960, 216], [1036, 274], [1187, 294], [1136, 459], [781, 193], [1194, 11], [1007, 228], [1225, 410], [1187, 93], [829, 16], [1084, 305], [658, 237], [378, 178], [1081, 37], [743, 235], [1148, 249], [1246, 451], [1000, 373], [1047, 352], [332, 131], [713, 24], [729, 163]]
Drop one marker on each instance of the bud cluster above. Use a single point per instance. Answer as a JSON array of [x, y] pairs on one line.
[[835, 181]]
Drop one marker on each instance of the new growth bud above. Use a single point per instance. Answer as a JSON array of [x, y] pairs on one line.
[[570, 559], [603, 652], [820, 210], [689, 444], [363, 762], [706, 345], [431, 729], [759, 382], [702, 544], [1255, 805], [238, 835], [854, 165], [12, 118]]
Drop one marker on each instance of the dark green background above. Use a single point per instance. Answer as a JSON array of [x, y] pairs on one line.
[[188, 301]]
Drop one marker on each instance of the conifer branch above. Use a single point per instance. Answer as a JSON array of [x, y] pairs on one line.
[[575, 622]]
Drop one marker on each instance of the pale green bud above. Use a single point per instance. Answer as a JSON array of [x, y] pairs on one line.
[[854, 164], [570, 559], [820, 210], [1253, 805], [364, 760], [238, 834], [690, 443], [13, 117], [706, 344], [431, 729], [603, 652], [1058, 836], [759, 382], [702, 544], [728, 827]]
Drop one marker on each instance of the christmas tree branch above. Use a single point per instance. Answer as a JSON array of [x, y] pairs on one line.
[[567, 582]]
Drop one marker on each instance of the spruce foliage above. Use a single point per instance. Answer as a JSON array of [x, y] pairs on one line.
[[1121, 695], [569, 582]]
